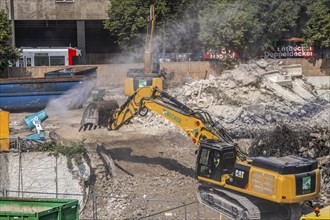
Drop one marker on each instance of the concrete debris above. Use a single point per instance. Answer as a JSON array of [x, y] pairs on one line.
[[324, 163], [293, 70], [247, 97], [283, 80], [262, 63]]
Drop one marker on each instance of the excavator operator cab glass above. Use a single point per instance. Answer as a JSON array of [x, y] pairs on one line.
[[215, 159]]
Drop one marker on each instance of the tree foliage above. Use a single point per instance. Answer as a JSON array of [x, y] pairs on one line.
[[8, 54], [277, 19], [317, 31], [229, 24], [127, 19], [246, 25]]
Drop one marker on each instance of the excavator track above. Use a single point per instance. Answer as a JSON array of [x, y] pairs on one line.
[[238, 206], [231, 204]]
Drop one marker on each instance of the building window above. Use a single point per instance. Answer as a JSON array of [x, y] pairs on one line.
[[59, 1]]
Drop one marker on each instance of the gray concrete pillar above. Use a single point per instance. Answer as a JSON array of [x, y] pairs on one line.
[[81, 39], [12, 19]]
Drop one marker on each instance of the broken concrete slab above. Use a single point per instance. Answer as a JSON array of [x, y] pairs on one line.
[[283, 80], [299, 90], [229, 112], [325, 94], [243, 77], [293, 70], [262, 63], [285, 93]]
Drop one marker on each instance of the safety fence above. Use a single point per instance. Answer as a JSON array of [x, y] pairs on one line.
[[18, 144], [103, 207], [10, 144]]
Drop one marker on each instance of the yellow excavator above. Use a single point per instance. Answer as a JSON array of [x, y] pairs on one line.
[[150, 75], [231, 182]]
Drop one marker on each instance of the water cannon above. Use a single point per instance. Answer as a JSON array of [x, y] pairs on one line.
[[34, 121]]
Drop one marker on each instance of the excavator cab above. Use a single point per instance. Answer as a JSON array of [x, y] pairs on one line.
[[214, 159], [137, 78]]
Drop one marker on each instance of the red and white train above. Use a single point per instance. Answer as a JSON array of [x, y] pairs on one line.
[[49, 57]]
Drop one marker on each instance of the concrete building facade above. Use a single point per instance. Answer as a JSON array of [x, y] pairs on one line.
[[63, 23]]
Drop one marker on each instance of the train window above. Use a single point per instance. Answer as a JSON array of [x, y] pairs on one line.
[[57, 61], [20, 62], [41, 60], [28, 62]]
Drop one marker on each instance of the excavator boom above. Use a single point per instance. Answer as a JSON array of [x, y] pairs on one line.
[[148, 44]]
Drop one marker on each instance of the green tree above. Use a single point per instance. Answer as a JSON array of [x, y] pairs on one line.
[[317, 30], [8, 54], [277, 19], [229, 24], [245, 25], [127, 19]]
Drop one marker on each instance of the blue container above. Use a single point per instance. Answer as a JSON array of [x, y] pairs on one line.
[[73, 71], [31, 94]]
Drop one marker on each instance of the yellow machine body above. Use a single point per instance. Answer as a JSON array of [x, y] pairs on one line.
[[271, 186], [134, 83], [323, 215], [4, 131]]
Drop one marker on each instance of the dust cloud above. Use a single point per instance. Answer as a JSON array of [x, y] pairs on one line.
[[70, 100]]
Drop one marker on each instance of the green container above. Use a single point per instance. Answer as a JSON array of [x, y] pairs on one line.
[[38, 209]]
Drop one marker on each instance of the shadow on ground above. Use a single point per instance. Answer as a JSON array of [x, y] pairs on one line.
[[125, 154]]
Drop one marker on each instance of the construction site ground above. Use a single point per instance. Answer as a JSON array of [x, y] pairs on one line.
[[268, 111]]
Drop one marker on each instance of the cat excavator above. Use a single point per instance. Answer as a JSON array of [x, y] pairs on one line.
[[231, 182]]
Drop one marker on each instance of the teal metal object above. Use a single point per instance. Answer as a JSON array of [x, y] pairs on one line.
[[34, 121]]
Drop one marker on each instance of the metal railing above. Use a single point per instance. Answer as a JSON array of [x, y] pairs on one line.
[[13, 144]]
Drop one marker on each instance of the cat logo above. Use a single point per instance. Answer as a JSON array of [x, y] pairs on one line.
[[239, 174]]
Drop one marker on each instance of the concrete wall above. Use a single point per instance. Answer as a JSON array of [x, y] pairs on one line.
[[115, 74], [194, 70], [320, 82], [319, 67], [38, 174], [52, 10]]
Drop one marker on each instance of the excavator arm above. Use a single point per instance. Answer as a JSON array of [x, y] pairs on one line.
[[198, 125]]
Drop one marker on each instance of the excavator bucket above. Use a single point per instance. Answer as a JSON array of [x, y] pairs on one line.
[[97, 114]]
